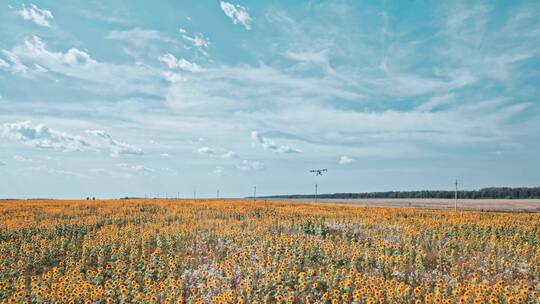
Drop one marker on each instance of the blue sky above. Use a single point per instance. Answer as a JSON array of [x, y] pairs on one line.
[[115, 98]]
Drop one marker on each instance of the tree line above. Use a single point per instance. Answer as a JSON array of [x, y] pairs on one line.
[[484, 193]]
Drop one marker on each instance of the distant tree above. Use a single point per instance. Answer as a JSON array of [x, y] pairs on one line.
[[484, 193]]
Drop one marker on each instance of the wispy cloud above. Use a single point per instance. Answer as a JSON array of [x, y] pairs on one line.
[[237, 13], [99, 77], [169, 171], [218, 171], [219, 88], [229, 155], [247, 165], [436, 101], [2, 163], [116, 147], [3, 64], [105, 16], [135, 168], [41, 17], [65, 173], [137, 36], [486, 121], [173, 63], [268, 144], [20, 158], [15, 66], [198, 40], [206, 151]]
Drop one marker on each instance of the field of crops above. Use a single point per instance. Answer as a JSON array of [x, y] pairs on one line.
[[166, 251]]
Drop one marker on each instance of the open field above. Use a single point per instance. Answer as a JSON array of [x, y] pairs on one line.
[[239, 251], [435, 203]]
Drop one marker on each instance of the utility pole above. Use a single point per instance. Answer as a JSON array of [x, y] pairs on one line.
[[178, 195], [217, 194], [317, 173], [254, 193], [194, 194], [455, 197]]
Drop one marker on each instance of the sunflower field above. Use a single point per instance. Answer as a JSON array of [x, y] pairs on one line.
[[240, 251]]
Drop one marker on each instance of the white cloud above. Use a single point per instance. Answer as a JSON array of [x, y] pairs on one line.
[[344, 160], [106, 16], [39, 16], [247, 165], [172, 77], [212, 152], [58, 172], [229, 155], [16, 66], [218, 171], [39, 68], [237, 13], [67, 173], [269, 144], [73, 57], [3, 64], [173, 63], [140, 169], [318, 58], [116, 147], [206, 151], [197, 40], [169, 171], [41, 136]]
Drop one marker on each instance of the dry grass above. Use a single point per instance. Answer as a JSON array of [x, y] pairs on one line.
[[465, 204]]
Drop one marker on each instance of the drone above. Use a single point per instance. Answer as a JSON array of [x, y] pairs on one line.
[[318, 171]]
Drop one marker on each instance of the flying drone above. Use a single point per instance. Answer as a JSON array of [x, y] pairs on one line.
[[318, 171]]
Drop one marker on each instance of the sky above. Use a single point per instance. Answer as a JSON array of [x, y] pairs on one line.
[[172, 98]]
